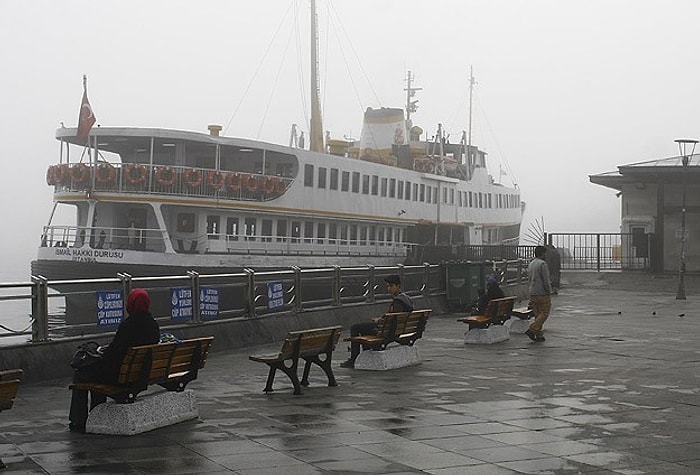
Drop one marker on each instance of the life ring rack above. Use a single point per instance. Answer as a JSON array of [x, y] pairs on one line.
[[138, 178], [105, 174], [233, 182], [165, 176], [251, 183], [53, 175], [192, 177]]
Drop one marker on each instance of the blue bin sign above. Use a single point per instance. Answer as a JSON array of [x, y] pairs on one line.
[[110, 307], [275, 295], [208, 302], [181, 303]]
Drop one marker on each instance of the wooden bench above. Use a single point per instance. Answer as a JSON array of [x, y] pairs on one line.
[[9, 384], [315, 345], [170, 365], [402, 328], [524, 313], [497, 312]]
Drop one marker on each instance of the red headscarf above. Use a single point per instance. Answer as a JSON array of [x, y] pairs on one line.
[[138, 302]]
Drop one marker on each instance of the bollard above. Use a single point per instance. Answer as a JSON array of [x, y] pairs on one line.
[[250, 292], [297, 289], [40, 309], [196, 310], [336, 286]]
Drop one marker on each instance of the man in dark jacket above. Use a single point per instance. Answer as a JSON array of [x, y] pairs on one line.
[[139, 328], [400, 303]]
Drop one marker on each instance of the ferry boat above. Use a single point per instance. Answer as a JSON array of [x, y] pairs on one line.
[[151, 201]]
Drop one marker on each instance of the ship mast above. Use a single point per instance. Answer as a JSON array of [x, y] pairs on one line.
[[471, 91], [316, 127], [411, 105]]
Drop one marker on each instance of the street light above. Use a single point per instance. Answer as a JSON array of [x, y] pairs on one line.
[[683, 145]]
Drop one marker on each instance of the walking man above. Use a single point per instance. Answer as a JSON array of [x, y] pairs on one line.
[[540, 290]]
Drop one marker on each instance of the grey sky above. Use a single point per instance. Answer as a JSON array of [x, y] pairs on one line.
[[565, 89]]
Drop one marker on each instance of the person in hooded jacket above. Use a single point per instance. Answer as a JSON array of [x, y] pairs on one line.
[[139, 328]]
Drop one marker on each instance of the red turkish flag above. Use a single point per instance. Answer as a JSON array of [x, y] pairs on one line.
[[86, 119]]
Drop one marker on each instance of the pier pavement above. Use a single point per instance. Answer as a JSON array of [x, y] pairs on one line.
[[614, 389]]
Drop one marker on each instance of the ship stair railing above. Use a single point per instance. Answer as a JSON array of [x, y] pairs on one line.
[[53, 309], [167, 180]]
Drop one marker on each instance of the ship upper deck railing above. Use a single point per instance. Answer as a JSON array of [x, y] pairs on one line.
[[166, 180]]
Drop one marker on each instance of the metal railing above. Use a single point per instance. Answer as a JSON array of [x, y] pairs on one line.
[[66, 308], [602, 251]]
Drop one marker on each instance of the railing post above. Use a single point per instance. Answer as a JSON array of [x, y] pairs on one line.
[[126, 284], [426, 279], [297, 289], [250, 292], [194, 285], [597, 246], [40, 309], [370, 279], [336, 286]]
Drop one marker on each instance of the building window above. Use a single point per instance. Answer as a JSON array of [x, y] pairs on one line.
[[415, 192], [296, 231], [308, 175], [353, 234], [266, 230], [407, 191], [375, 185], [392, 187], [321, 233], [308, 232], [332, 233], [384, 187], [399, 192]]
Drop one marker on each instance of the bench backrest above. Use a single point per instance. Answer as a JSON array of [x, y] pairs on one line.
[[500, 308], [152, 364], [311, 342], [398, 326], [9, 384]]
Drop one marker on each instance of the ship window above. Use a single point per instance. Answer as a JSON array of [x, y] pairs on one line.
[[334, 178], [296, 231], [384, 187], [308, 175], [435, 195], [365, 184], [429, 197], [353, 234], [281, 230], [345, 181], [363, 235], [444, 195], [422, 192], [415, 192], [213, 223], [471, 203], [320, 233], [185, 222], [392, 187], [249, 229], [389, 234], [322, 177], [372, 234], [407, 191], [308, 232], [375, 185], [459, 197], [452, 196], [232, 229], [266, 230], [489, 200], [344, 234], [380, 236], [355, 182], [481, 203], [332, 233], [399, 192]]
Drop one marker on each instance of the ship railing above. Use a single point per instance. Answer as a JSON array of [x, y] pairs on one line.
[[100, 237], [167, 180], [55, 309]]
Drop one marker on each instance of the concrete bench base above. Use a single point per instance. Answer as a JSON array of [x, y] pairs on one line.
[[391, 358], [486, 336], [520, 326], [149, 412]]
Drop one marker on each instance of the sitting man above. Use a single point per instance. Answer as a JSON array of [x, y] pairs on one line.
[[400, 303]]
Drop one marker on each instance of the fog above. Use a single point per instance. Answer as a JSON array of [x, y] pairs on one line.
[[564, 89]]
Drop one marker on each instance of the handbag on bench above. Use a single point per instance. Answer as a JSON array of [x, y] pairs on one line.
[[86, 355]]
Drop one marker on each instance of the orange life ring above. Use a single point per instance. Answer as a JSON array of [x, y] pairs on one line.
[[215, 179], [105, 173], [80, 173], [165, 176], [52, 175], [138, 178], [192, 177], [269, 184], [251, 183], [63, 174], [233, 182], [280, 186]]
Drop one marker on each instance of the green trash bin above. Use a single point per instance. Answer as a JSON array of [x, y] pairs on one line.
[[463, 279]]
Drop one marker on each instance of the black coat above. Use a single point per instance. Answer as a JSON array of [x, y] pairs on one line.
[[135, 330]]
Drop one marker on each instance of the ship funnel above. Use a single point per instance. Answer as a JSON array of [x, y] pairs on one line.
[[214, 130], [382, 130]]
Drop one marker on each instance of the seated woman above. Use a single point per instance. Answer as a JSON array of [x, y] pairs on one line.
[[139, 328]]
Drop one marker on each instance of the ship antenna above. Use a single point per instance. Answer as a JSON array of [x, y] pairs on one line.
[[316, 127], [411, 105], [472, 82]]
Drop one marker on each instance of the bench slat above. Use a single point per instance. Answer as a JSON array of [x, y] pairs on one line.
[[8, 392]]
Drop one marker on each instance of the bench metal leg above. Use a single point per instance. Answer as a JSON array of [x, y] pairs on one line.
[[290, 371], [270, 379], [325, 365]]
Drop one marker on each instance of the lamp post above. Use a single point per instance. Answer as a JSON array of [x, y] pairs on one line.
[[683, 146]]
